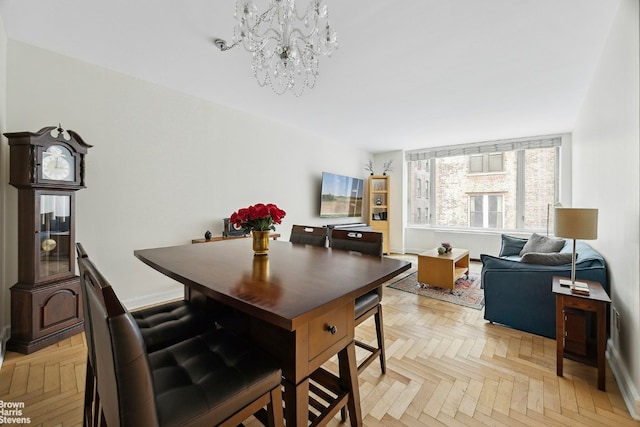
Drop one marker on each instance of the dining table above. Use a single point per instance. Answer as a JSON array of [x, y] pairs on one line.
[[298, 301]]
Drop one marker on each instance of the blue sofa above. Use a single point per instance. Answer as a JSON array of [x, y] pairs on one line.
[[519, 295]]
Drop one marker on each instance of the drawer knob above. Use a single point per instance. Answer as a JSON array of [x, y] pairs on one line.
[[332, 329]]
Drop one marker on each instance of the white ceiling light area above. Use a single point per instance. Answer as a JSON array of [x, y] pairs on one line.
[[406, 75]]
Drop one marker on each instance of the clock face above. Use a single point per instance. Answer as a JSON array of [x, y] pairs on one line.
[[58, 164]]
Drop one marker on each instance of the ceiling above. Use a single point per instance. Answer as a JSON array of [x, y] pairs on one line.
[[407, 74]]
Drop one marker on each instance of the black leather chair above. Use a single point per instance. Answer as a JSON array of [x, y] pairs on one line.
[[214, 378], [367, 305], [161, 325], [315, 236]]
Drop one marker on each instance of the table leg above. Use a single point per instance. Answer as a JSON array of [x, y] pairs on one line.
[[602, 342], [559, 334], [296, 403], [349, 379]]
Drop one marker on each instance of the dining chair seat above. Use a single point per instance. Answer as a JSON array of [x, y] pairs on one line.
[[366, 302], [215, 370]]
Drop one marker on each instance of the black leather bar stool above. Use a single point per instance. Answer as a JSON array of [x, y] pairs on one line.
[[214, 378], [307, 235], [161, 325], [367, 305]]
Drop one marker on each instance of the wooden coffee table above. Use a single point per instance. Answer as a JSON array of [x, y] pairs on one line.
[[442, 270]]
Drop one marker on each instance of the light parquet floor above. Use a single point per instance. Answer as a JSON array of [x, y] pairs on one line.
[[446, 366]]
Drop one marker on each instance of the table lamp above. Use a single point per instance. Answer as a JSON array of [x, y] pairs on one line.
[[576, 223], [555, 205]]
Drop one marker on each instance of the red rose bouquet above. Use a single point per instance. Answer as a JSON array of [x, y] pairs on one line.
[[258, 217]]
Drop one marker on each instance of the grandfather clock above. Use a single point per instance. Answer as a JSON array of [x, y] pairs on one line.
[[47, 167]]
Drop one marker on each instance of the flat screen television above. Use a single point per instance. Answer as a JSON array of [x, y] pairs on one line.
[[341, 196]]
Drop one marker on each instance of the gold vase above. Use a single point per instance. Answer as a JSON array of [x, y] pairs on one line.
[[260, 242]]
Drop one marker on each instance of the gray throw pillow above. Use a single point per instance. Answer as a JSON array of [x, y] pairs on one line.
[[542, 244], [511, 245], [547, 258]]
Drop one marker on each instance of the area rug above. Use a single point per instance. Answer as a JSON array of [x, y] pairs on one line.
[[467, 291]]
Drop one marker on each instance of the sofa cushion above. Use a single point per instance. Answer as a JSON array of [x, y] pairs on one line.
[[542, 244], [547, 258], [511, 245]]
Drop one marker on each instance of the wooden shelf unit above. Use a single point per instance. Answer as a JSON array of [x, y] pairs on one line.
[[379, 207]]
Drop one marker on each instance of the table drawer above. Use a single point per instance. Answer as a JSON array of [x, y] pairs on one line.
[[581, 303], [328, 329]]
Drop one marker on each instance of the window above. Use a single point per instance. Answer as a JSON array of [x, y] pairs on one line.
[[506, 185], [421, 216], [418, 192], [486, 163], [485, 211]]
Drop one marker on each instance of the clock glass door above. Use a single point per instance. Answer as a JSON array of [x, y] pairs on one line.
[[54, 241]]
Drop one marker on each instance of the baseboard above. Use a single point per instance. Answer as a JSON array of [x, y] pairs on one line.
[[397, 251], [627, 388], [413, 251], [153, 299]]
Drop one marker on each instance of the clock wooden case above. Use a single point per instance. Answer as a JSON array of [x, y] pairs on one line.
[[47, 167]]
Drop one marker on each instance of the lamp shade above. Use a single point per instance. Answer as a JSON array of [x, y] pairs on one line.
[[576, 223]]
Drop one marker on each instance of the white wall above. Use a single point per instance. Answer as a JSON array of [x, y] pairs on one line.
[[4, 178], [164, 167], [606, 175]]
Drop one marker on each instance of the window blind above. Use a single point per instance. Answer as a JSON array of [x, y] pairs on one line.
[[483, 147]]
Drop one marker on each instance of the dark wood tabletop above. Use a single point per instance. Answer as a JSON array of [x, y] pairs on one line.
[[291, 285]]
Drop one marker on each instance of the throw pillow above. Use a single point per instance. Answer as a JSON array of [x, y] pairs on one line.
[[511, 245], [542, 244], [547, 258]]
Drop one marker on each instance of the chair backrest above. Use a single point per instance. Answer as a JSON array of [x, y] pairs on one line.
[[85, 304], [315, 236], [366, 242], [124, 381]]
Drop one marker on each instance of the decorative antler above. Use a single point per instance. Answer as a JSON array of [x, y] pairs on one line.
[[369, 167], [387, 167]]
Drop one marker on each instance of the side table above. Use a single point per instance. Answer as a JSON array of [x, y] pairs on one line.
[[273, 236], [597, 302], [442, 270]]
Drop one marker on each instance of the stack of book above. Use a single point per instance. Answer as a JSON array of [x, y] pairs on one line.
[[580, 288]]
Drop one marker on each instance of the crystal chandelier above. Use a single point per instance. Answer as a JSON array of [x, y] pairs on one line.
[[285, 46]]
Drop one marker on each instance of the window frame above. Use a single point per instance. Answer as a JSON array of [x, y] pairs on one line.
[[430, 184], [485, 160]]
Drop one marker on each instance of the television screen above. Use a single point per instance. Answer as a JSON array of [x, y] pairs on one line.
[[341, 196]]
